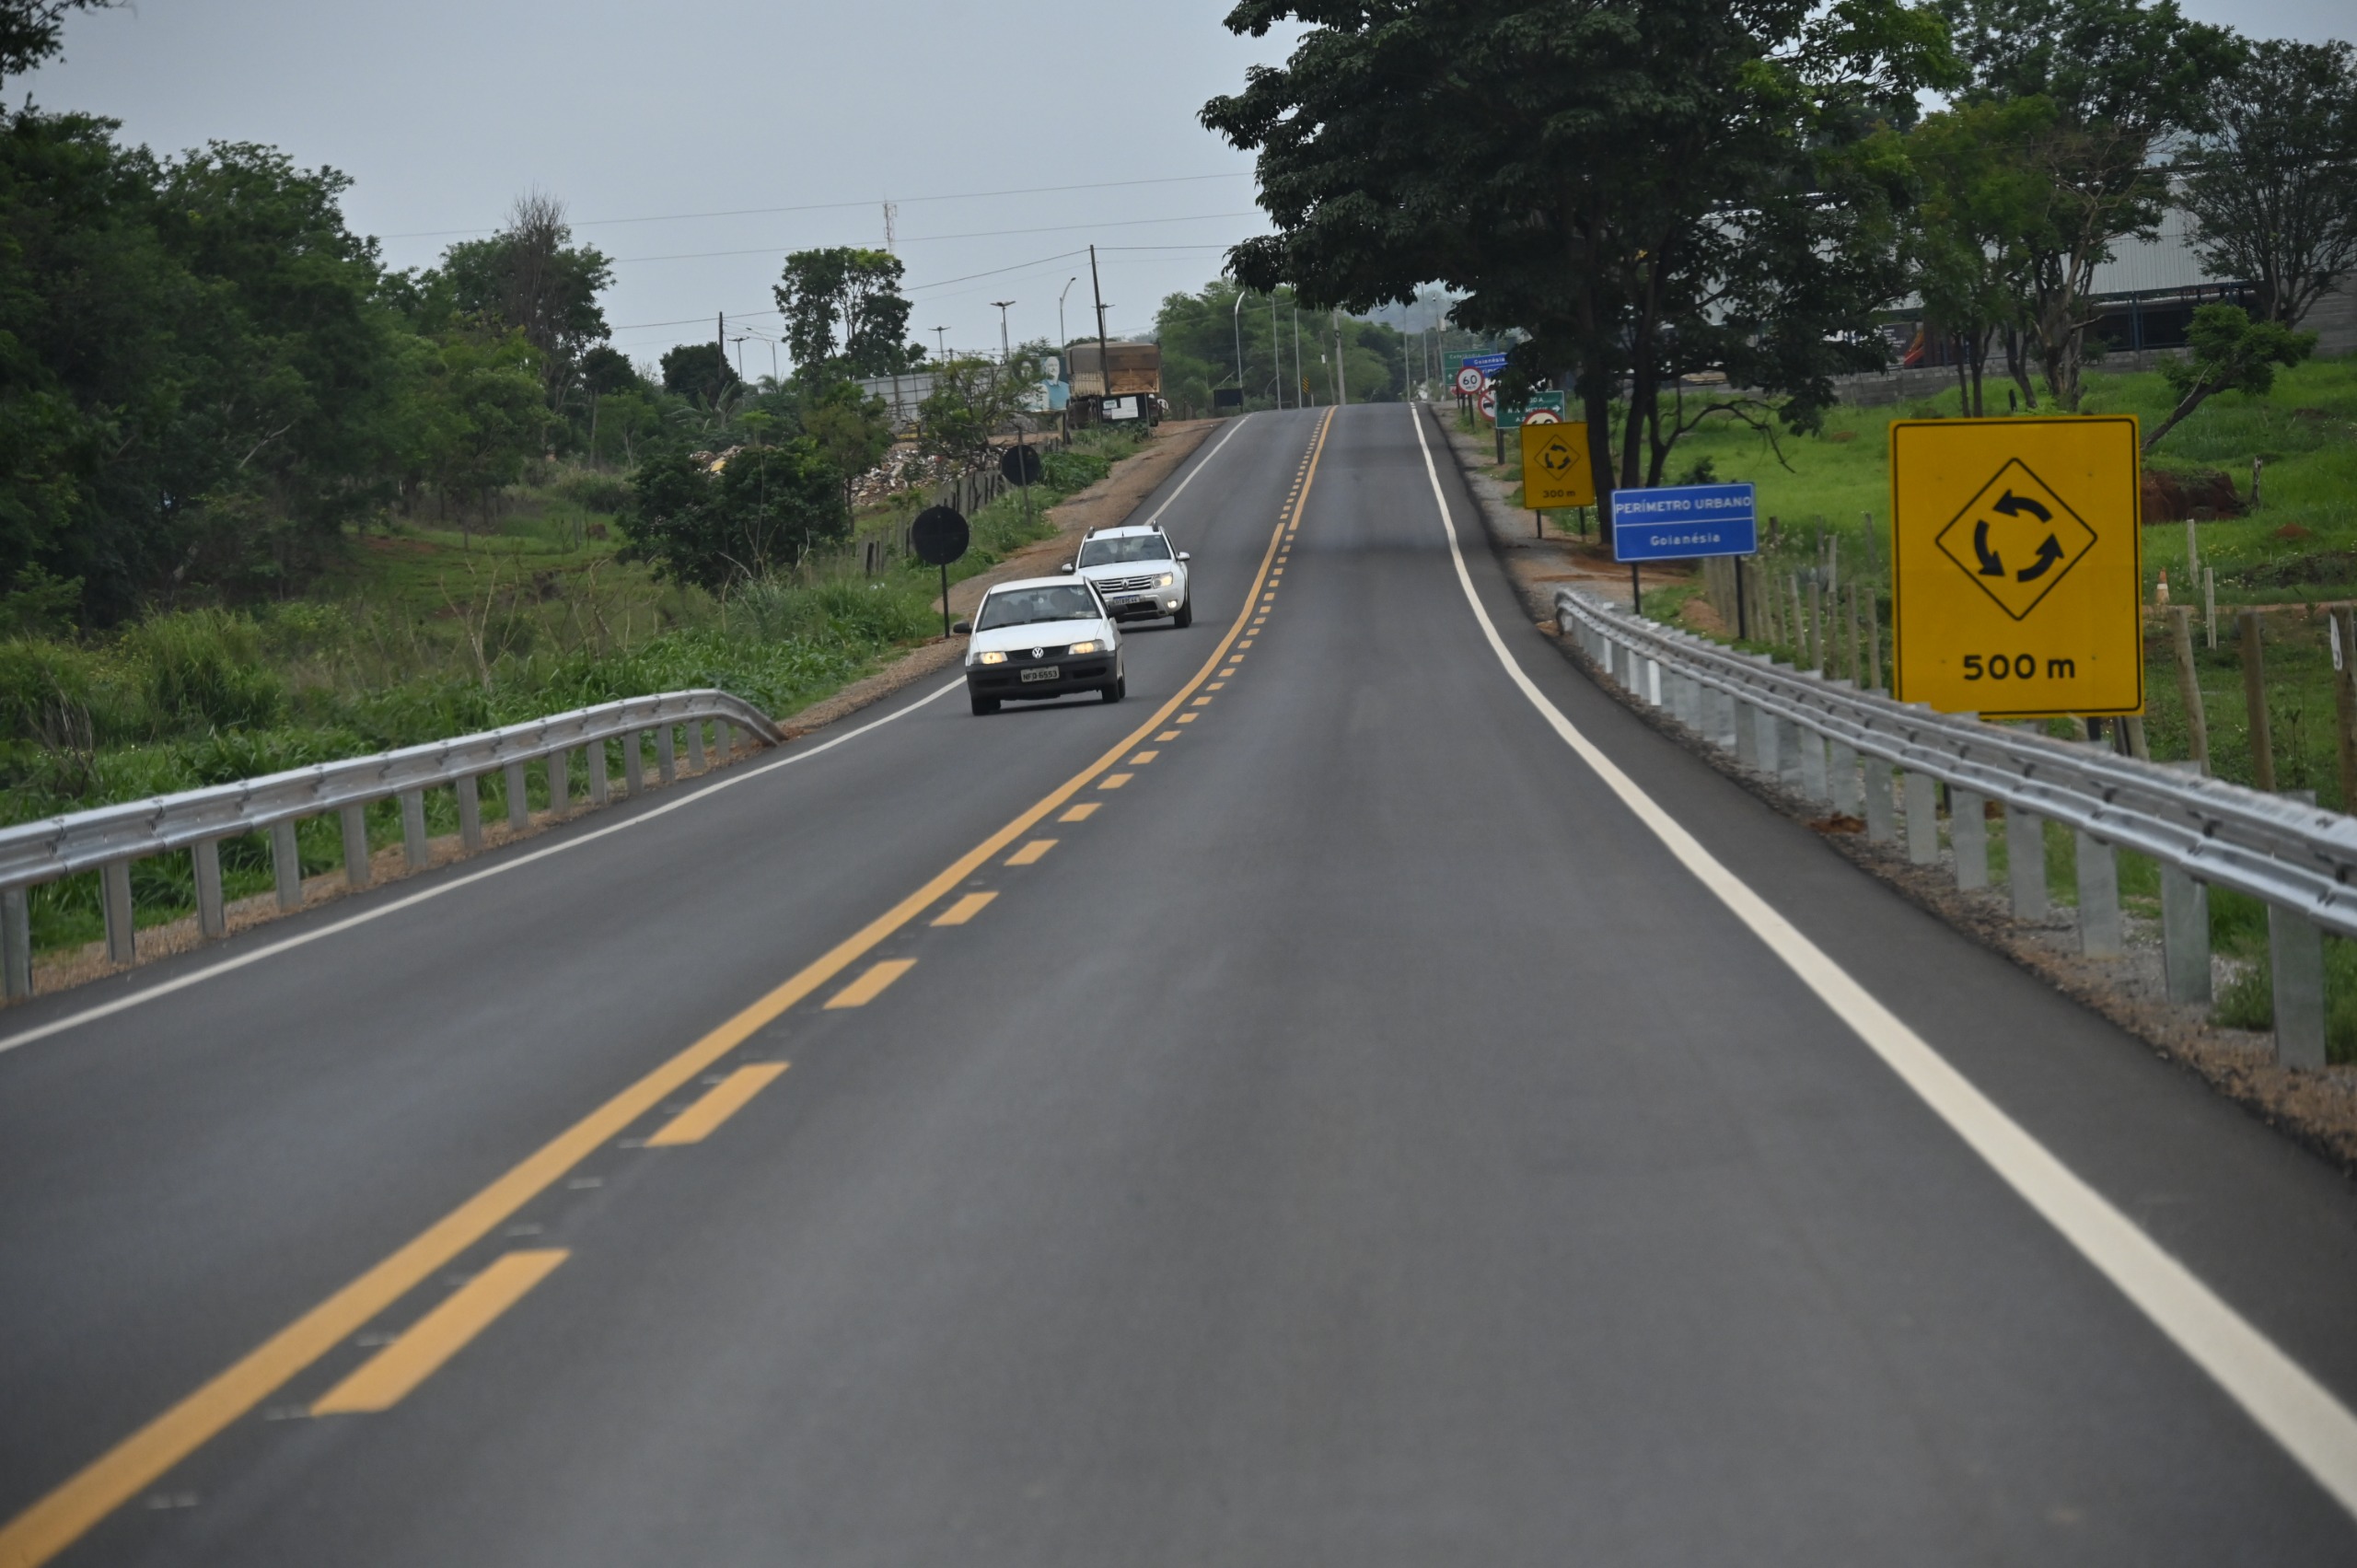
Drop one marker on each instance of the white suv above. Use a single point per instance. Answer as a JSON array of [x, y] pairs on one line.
[[1139, 573]]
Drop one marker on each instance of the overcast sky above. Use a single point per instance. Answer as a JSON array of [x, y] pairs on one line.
[[442, 111]]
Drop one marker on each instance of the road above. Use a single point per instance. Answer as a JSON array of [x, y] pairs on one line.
[[1376, 1130]]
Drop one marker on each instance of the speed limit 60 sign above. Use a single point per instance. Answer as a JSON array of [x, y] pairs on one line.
[[2016, 568]]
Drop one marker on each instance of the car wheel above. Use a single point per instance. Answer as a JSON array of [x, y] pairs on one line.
[[1186, 616], [985, 705], [1115, 692]]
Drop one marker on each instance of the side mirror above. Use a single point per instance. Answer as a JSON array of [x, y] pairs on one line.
[[1065, 567], [963, 629], [1184, 556]]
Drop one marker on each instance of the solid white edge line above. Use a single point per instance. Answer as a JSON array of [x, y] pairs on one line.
[[1191, 472], [2292, 1407], [702, 791]]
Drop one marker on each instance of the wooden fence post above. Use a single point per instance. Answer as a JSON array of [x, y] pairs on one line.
[[2262, 740], [2188, 685]]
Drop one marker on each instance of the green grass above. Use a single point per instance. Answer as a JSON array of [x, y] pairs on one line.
[[424, 631]]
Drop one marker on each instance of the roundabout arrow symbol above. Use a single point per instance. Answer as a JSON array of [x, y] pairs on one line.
[[2047, 554], [2014, 506], [1992, 565]]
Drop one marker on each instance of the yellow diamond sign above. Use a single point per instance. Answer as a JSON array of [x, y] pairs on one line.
[[2016, 538], [1554, 467], [2016, 572]]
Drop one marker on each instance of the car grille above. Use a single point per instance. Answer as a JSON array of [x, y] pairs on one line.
[[1125, 584]]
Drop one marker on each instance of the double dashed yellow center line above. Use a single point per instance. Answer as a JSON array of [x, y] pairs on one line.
[[115, 1476]]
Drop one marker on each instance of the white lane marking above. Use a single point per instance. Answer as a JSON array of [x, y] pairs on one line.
[[702, 793], [2292, 1408], [1193, 472]]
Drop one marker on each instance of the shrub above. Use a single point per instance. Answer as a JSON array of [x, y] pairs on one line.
[[202, 669]]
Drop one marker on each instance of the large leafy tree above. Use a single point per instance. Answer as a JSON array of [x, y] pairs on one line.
[[844, 314], [531, 277], [973, 399], [764, 510], [2274, 187], [1977, 219], [1644, 188], [2120, 79]]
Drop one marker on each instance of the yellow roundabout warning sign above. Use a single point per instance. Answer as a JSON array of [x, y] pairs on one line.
[[2016, 569]]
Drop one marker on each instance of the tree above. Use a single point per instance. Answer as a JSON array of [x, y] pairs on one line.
[[2227, 352], [764, 510], [853, 431], [1979, 208], [844, 315], [2121, 78], [971, 401], [32, 31], [531, 277], [699, 371], [1645, 188], [483, 420], [2273, 188]]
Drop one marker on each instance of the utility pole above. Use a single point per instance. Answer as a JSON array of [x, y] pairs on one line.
[[941, 337], [1301, 376], [1004, 356], [1341, 382], [1276, 349], [1104, 357], [1235, 319]]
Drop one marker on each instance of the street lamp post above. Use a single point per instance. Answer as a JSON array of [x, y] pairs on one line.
[[1004, 353], [1276, 349], [1063, 343]]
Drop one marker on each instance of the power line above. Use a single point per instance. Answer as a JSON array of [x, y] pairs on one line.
[[976, 234], [834, 207]]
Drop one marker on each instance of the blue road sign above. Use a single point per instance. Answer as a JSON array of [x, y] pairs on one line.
[[1487, 364], [1683, 521]]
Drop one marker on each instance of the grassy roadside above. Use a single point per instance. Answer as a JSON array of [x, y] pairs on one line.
[[419, 632]]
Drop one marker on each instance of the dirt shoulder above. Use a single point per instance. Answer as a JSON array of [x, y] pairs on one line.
[[2316, 1109], [1102, 505]]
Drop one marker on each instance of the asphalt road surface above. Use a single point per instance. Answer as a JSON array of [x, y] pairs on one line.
[[1409, 1112]]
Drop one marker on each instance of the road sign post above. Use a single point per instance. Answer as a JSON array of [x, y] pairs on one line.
[[1555, 468], [939, 536], [2017, 566], [1682, 522]]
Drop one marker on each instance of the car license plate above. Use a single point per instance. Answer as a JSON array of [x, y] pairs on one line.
[[1042, 672]]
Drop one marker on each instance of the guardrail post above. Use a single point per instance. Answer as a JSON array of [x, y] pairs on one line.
[[1968, 836], [600, 782], [666, 758], [633, 763], [414, 829], [561, 780], [469, 811], [1653, 681], [286, 865], [1842, 779], [1765, 736], [519, 800], [1813, 779], [2184, 935], [1882, 818], [1788, 753], [355, 845], [2100, 932], [2026, 863], [1923, 819], [211, 911], [114, 898], [16, 943], [2296, 953], [695, 745]]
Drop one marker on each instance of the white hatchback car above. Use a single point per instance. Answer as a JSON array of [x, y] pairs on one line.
[[1139, 573], [1042, 637]]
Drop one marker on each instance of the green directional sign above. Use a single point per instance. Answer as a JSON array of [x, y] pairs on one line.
[[1510, 415]]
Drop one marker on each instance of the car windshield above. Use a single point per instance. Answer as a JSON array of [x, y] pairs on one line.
[[1134, 547], [1021, 607]]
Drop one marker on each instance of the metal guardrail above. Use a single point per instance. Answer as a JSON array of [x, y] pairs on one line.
[[109, 837], [1839, 747]]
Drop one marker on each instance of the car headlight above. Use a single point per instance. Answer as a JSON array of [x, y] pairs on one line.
[[990, 658], [1165, 580], [1085, 647]]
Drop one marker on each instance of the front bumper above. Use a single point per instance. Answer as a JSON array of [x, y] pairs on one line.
[[1146, 607], [1074, 673]]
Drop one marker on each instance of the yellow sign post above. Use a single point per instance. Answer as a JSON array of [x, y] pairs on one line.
[[1554, 467], [2017, 566]]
